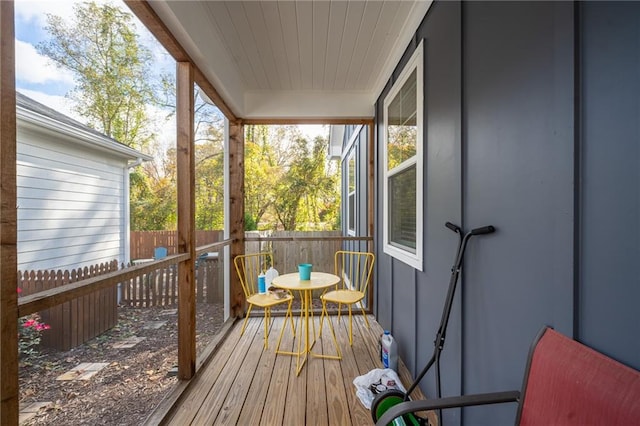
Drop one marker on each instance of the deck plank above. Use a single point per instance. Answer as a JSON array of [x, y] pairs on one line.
[[352, 367], [250, 412], [254, 361], [316, 390], [273, 412], [337, 400], [190, 405], [223, 386], [244, 384], [295, 408]]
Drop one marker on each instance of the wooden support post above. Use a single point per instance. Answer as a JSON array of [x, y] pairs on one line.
[[236, 212], [185, 161], [371, 149], [8, 222]]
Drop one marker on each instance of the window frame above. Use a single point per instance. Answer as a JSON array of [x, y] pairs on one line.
[[352, 212], [406, 254]]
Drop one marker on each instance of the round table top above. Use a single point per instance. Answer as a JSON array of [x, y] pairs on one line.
[[318, 280]]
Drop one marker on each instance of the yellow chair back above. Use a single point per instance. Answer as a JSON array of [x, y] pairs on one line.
[[354, 269], [249, 266]]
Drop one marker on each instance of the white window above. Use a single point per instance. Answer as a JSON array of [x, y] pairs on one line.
[[351, 193], [402, 164]]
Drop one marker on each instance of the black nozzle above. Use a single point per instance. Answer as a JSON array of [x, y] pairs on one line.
[[454, 228], [483, 230]]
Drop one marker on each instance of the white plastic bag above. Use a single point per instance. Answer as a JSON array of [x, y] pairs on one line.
[[376, 381]]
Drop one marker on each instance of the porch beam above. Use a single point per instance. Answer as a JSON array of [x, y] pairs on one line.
[[299, 120], [236, 213], [9, 407], [154, 24], [185, 160]]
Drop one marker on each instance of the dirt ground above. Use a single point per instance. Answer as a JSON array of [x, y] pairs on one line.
[[133, 383]]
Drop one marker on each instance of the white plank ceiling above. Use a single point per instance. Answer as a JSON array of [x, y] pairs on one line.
[[295, 59]]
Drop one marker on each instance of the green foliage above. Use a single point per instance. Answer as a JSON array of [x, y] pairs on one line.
[[209, 185], [110, 67], [153, 202], [261, 173], [249, 223], [30, 329], [288, 180]]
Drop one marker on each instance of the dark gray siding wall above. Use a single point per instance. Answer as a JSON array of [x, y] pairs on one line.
[[609, 268], [531, 125], [518, 133], [410, 302]]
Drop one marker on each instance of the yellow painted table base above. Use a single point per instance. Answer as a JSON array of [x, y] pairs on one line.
[[305, 288]]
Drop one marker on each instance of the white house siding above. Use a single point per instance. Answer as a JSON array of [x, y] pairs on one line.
[[70, 202]]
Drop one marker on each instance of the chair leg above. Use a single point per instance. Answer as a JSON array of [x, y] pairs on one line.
[[332, 330], [364, 314], [350, 328], [246, 318], [266, 327], [313, 323], [290, 313], [322, 315]]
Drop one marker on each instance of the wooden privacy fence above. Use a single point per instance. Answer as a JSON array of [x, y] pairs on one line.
[[77, 321], [289, 252], [142, 243], [160, 287]]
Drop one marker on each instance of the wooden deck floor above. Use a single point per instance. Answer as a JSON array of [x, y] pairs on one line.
[[246, 385]]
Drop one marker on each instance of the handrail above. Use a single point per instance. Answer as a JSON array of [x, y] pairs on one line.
[[55, 296], [64, 293], [216, 245], [336, 238]]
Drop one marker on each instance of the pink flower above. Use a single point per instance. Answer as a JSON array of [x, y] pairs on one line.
[[29, 323], [19, 290]]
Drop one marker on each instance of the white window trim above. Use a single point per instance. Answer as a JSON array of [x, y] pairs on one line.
[[412, 259], [352, 156]]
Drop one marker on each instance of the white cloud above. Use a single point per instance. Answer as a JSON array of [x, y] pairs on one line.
[[165, 129], [29, 10], [36, 10], [59, 103], [31, 67]]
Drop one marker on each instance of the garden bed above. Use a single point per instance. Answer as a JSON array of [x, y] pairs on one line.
[[134, 380]]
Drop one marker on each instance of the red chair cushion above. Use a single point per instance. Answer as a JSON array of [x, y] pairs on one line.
[[571, 384]]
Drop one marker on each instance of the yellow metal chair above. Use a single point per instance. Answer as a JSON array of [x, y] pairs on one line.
[[354, 269], [249, 266]]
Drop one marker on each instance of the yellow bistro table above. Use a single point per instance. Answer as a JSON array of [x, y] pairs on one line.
[[292, 282]]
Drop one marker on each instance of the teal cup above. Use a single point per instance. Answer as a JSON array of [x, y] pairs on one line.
[[305, 271]]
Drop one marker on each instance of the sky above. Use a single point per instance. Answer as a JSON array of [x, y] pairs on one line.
[[39, 79], [36, 77]]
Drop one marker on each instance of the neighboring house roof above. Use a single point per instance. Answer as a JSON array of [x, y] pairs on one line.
[[31, 112]]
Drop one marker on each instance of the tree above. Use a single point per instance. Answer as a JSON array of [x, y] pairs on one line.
[[307, 194], [210, 183], [111, 70], [261, 174]]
